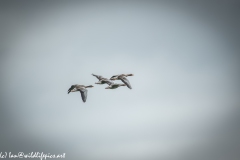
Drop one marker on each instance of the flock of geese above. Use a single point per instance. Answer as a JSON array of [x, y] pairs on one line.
[[111, 85]]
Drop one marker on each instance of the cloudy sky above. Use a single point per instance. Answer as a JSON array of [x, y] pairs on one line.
[[184, 104]]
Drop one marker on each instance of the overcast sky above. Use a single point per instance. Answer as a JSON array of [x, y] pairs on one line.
[[184, 104]]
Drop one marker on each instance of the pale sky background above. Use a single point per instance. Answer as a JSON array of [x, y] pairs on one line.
[[184, 104]]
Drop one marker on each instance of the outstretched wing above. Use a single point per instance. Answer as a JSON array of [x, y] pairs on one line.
[[125, 81], [83, 92], [97, 76], [114, 76], [71, 88]]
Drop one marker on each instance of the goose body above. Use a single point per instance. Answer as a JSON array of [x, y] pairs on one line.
[[123, 78], [82, 89], [102, 80]]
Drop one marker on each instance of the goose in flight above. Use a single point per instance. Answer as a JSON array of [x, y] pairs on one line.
[[102, 80], [82, 89], [123, 78]]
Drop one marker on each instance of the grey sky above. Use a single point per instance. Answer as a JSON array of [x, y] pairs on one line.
[[185, 98]]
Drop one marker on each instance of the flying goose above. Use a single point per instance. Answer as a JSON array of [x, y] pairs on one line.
[[123, 78], [102, 80], [82, 89]]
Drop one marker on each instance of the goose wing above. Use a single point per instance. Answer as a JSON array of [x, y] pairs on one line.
[[125, 81], [114, 76], [97, 76], [71, 88], [83, 92]]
